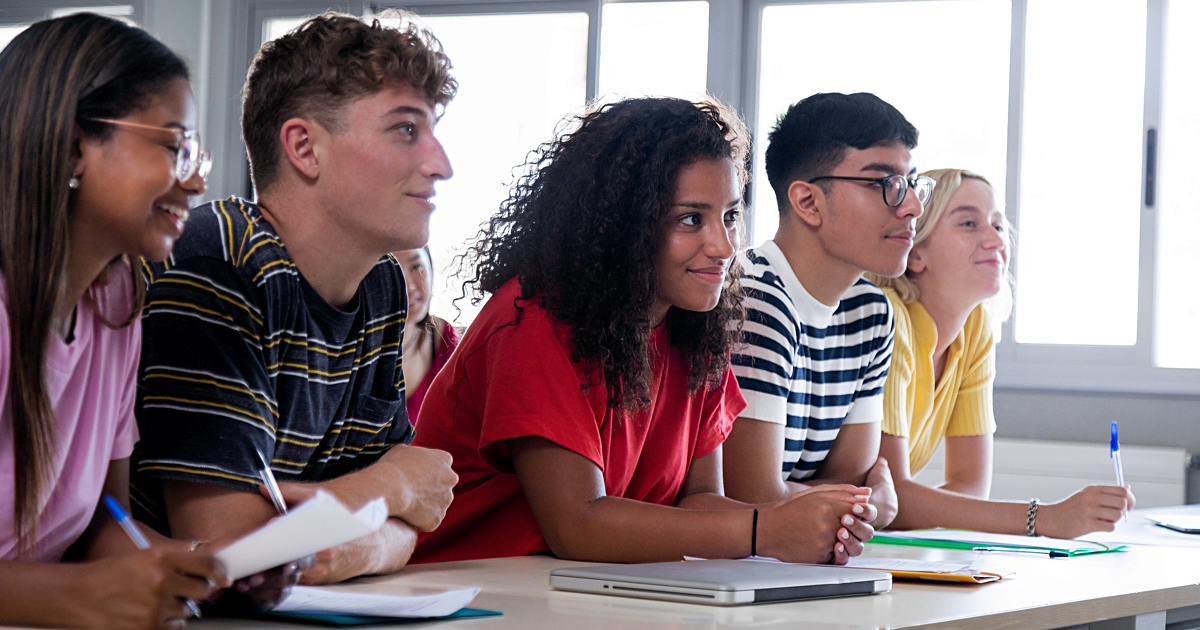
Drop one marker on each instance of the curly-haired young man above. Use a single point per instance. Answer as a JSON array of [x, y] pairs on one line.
[[818, 337], [275, 327]]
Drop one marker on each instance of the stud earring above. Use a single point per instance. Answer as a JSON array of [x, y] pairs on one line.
[[74, 182]]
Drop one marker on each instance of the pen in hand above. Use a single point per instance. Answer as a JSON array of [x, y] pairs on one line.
[[139, 540], [1114, 453], [268, 479]]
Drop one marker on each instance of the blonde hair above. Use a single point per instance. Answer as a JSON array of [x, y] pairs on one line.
[[949, 180]]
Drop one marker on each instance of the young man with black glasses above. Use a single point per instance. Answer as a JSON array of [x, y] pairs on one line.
[[818, 338]]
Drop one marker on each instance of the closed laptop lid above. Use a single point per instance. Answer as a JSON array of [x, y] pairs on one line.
[[731, 581]]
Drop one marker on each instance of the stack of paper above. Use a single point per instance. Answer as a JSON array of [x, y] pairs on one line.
[[317, 524], [311, 599]]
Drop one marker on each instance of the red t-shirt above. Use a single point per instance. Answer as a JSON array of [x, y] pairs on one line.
[[509, 380]]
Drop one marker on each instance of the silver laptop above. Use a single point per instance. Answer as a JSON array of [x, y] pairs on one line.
[[721, 582]]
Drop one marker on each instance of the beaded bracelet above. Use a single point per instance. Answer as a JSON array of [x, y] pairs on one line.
[[1030, 516]]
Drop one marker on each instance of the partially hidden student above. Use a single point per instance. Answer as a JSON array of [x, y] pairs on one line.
[[276, 325], [586, 405], [429, 340], [947, 305], [98, 155], [818, 337]]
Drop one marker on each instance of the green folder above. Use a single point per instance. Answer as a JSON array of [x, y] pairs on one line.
[[1078, 548], [343, 620]]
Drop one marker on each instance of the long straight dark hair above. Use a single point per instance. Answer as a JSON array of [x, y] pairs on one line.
[[57, 75]]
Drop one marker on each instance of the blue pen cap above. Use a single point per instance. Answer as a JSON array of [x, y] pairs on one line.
[[115, 508], [1114, 445]]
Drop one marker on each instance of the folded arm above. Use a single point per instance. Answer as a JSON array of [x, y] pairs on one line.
[[754, 460], [417, 484]]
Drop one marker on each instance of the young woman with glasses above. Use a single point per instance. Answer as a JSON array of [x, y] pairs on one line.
[[586, 405], [98, 156], [947, 305]]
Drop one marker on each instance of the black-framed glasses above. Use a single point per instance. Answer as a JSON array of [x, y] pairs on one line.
[[894, 187], [190, 159]]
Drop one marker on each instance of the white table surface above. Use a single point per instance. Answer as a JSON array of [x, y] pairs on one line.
[[1134, 585]]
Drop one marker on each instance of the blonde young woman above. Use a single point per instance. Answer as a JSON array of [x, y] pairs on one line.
[[939, 386]]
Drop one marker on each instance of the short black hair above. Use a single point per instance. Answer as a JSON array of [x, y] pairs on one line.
[[813, 136]]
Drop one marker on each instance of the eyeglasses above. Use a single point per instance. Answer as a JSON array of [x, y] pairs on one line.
[[894, 187], [190, 159]]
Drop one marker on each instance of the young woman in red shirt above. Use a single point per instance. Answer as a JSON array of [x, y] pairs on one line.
[[586, 405]]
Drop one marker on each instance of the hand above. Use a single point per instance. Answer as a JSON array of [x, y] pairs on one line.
[[418, 484], [827, 523], [143, 589], [264, 590], [1093, 509], [883, 493]]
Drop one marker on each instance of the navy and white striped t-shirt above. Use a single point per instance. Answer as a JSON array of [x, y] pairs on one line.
[[806, 365], [240, 354]]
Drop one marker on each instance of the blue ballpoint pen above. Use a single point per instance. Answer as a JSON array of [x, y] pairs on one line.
[[1114, 453], [138, 539]]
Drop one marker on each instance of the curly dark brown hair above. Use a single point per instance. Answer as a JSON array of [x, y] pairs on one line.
[[581, 227]]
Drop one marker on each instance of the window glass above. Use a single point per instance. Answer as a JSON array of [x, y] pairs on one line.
[[1178, 204], [654, 48], [7, 33], [943, 64], [1081, 160], [518, 76], [278, 27], [114, 10]]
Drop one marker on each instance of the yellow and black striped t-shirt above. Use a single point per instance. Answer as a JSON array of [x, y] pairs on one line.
[[239, 353]]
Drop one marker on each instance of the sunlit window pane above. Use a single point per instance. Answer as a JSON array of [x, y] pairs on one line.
[[1081, 160], [654, 48], [943, 64], [518, 76], [275, 28], [113, 10], [1178, 205], [7, 33]]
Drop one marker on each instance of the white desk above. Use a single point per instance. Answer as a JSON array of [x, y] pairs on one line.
[[1119, 591]]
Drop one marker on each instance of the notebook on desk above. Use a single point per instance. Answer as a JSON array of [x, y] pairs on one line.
[[720, 582]]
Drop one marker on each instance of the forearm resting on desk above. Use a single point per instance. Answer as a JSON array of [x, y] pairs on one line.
[[567, 495], [385, 551]]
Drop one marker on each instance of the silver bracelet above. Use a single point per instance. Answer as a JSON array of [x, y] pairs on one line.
[[1030, 516]]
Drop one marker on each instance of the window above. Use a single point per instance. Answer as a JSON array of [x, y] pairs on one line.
[[952, 87], [1177, 342], [1053, 100], [654, 49], [498, 116], [1081, 160], [7, 33]]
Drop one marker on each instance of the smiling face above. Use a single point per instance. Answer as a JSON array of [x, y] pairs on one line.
[[379, 170], [859, 229], [128, 200], [966, 254], [699, 238]]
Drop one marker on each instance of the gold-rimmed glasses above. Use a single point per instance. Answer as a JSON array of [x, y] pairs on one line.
[[190, 159]]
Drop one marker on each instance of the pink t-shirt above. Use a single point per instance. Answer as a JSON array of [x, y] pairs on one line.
[[92, 385]]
